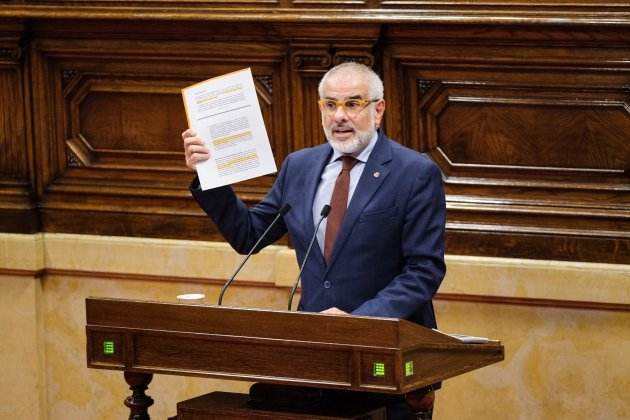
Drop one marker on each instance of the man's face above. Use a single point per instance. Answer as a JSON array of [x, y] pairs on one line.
[[349, 131]]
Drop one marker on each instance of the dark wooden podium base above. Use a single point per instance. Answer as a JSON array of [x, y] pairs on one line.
[[231, 406]]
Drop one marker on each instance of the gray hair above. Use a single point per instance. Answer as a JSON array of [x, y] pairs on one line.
[[375, 84]]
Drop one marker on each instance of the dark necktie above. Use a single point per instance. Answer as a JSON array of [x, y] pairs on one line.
[[338, 204]]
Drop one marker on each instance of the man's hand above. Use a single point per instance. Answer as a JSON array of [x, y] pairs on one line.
[[195, 148], [334, 311]]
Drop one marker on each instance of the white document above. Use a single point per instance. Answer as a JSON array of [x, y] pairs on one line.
[[224, 111], [469, 339]]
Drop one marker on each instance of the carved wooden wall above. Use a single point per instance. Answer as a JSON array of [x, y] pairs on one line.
[[531, 127], [530, 123]]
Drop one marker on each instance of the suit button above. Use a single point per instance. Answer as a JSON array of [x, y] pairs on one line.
[[327, 284]]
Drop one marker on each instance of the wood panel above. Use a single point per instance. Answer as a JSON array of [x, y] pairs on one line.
[[528, 123], [341, 353], [118, 116], [17, 206], [532, 139]]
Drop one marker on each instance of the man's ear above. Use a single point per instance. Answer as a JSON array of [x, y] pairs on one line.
[[379, 110]]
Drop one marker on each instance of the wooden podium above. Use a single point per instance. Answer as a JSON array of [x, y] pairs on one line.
[[383, 355]]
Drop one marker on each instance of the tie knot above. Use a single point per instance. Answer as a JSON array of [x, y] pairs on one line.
[[348, 162]]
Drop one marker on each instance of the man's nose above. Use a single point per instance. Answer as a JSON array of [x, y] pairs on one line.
[[340, 114]]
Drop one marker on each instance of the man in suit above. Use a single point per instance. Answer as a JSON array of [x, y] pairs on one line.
[[383, 255]]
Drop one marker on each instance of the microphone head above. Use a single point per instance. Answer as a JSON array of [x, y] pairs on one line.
[[284, 209], [325, 210]]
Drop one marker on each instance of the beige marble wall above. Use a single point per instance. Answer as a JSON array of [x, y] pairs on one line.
[[22, 390], [22, 382], [560, 362]]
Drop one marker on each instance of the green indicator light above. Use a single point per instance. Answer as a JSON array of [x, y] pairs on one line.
[[379, 369], [409, 368], [108, 347]]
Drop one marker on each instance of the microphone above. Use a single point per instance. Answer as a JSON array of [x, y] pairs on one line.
[[323, 214], [283, 210]]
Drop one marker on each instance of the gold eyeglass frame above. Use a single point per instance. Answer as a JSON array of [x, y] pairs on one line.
[[361, 103]]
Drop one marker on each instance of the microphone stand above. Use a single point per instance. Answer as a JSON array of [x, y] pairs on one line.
[[283, 210], [323, 214]]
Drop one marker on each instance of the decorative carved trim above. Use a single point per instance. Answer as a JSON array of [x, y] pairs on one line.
[[322, 60], [72, 160], [10, 53], [424, 86], [353, 56], [339, 3], [67, 75], [580, 12], [266, 81], [311, 60]]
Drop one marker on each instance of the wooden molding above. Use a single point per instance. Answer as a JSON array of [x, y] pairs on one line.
[[160, 278], [22, 273], [536, 302], [451, 297], [391, 12]]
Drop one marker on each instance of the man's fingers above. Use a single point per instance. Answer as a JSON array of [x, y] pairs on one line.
[[196, 152], [198, 157], [190, 141], [197, 148], [189, 133]]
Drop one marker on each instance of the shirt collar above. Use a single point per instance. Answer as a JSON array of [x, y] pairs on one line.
[[363, 155]]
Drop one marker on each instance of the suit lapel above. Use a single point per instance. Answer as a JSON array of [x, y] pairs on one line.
[[313, 175], [372, 178]]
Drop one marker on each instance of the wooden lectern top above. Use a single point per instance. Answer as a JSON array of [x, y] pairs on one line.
[[295, 348]]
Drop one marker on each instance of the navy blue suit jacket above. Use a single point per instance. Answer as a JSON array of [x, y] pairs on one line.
[[388, 259]]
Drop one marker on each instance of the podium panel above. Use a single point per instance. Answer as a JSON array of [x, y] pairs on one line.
[[231, 406], [382, 355]]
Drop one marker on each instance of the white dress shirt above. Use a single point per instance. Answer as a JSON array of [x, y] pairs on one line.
[[327, 184]]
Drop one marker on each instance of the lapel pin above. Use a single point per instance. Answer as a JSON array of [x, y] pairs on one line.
[[376, 174]]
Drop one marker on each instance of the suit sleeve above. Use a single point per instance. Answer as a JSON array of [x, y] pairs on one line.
[[242, 226], [422, 251]]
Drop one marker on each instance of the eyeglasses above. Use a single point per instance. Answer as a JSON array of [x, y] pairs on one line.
[[352, 107]]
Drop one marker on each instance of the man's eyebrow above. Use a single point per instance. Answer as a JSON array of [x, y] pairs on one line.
[[346, 98]]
